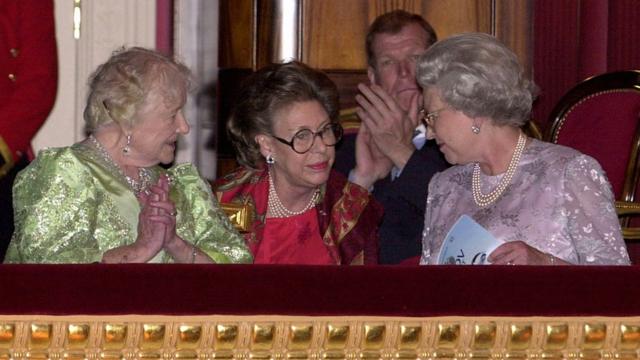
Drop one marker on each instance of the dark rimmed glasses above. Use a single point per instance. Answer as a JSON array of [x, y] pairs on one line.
[[304, 139]]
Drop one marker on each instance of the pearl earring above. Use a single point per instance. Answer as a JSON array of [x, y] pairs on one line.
[[270, 160], [475, 129]]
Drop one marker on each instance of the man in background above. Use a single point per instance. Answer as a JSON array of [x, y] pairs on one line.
[[389, 109], [28, 82]]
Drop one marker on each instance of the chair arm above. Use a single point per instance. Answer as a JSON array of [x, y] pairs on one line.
[[240, 215], [628, 208], [624, 208]]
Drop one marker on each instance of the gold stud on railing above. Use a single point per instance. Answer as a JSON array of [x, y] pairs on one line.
[[299, 340], [226, 339], [152, 341], [556, 336], [262, 339], [336, 340], [484, 336], [300, 336], [629, 337], [7, 338], [594, 336], [447, 340], [410, 335], [40, 336], [519, 336], [77, 336]]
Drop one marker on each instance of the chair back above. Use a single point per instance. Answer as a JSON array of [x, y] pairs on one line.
[[599, 117]]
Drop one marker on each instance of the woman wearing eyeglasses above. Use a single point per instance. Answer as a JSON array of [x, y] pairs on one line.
[[284, 128], [548, 204]]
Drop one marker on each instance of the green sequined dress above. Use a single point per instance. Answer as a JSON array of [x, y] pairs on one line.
[[71, 205]]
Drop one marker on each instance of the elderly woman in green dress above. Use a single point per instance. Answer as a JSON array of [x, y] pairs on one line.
[[106, 199]]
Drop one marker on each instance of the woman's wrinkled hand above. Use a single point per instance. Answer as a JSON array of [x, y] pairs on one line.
[[163, 208], [519, 253], [152, 223], [153, 227]]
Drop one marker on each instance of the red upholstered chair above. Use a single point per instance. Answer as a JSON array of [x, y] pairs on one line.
[[600, 117]]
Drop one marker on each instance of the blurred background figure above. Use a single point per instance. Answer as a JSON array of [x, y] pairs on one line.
[[284, 127], [105, 198], [29, 69], [394, 139], [548, 203]]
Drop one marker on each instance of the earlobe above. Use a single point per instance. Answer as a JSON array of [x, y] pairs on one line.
[[264, 144]]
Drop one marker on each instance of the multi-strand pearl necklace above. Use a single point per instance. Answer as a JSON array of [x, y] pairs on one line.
[[144, 175], [278, 209], [483, 200]]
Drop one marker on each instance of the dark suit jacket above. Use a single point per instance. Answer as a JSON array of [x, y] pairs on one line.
[[404, 199]]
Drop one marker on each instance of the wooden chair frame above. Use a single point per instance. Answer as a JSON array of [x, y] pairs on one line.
[[594, 86]]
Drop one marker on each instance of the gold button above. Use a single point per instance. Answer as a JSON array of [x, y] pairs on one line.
[[14, 52], [12, 77]]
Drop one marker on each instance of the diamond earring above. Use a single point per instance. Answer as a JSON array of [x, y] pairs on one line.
[[127, 149], [270, 160], [475, 129]]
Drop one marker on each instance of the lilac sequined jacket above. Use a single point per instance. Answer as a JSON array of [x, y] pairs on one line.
[[559, 202]]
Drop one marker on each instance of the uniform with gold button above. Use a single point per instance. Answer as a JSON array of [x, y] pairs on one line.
[[28, 81]]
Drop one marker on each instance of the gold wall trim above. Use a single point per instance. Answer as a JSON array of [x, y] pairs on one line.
[[318, 337]]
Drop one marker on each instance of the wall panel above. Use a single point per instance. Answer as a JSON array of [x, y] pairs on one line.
[[335, 30], [236, 34]]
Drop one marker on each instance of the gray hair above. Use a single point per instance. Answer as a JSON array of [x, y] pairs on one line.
[[119, 87], [478, 75]]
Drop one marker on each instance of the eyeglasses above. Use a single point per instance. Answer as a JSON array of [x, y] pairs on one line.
[[429, 119], [304, 139]]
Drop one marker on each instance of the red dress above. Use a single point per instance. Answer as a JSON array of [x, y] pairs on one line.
[[347, 219], [292, 240]]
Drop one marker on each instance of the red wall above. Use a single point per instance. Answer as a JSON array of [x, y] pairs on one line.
[[576, 39], [164, 26]]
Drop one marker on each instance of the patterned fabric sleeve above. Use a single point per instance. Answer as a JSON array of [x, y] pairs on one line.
[[55, 211], [426, 231], [356, 216], [590, 211], [202, 222]]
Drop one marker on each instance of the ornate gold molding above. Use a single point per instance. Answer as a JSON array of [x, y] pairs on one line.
[[298, 337], [240, 215]]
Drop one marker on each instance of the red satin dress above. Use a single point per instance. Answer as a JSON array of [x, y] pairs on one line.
[[293, 240]]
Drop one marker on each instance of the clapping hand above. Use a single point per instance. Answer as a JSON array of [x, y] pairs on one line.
[[163, 209], [371, 163], [165, 216], [390, 126], [156, 223]]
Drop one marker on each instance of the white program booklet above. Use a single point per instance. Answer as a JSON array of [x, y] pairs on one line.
[[467, 243]]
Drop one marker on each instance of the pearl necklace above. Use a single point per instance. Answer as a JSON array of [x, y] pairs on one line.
[[277, 209], [144, 175], [483, 200]]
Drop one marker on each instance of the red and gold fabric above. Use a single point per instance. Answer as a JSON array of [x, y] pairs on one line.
[[347, 216]]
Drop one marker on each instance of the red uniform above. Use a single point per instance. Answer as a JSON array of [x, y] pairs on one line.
[[28, 74], [28, 83]]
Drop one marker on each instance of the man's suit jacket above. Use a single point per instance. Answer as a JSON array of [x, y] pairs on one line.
[[404, 199]]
